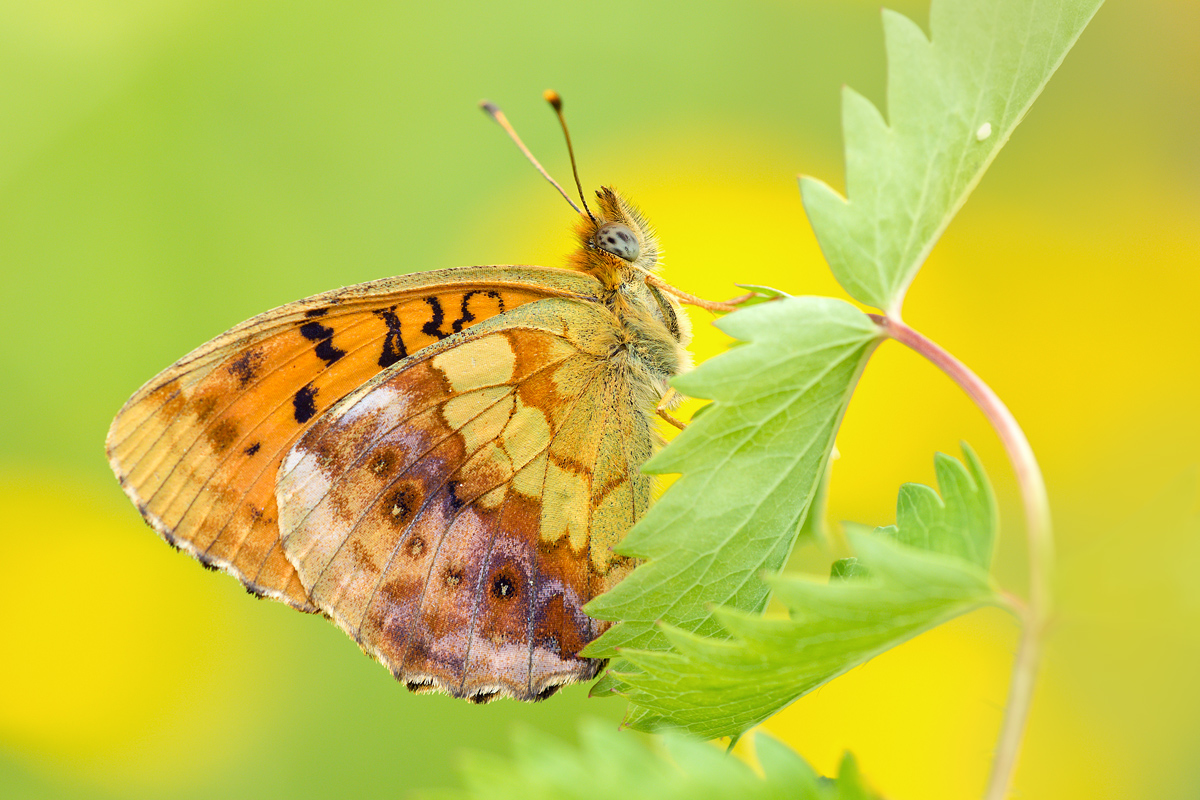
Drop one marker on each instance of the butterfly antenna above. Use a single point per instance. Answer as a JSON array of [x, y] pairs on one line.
[[495, 113], [552, 97]]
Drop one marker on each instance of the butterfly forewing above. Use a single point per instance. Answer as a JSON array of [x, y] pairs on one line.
[[456, 512], [198, 448]]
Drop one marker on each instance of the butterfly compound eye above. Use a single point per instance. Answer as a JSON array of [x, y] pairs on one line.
[[618, 239]]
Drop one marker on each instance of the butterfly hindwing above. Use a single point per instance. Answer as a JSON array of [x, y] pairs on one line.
[[456, 512], [198, 448]]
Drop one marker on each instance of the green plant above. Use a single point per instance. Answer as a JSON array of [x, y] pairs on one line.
[[691, 649]]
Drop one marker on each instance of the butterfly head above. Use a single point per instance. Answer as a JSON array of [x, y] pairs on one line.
[[617, 244], [619, 248]]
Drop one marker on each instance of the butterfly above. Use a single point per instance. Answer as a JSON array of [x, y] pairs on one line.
[[440, 463]]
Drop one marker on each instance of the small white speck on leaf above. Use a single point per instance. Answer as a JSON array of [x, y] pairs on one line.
[[985, 130]]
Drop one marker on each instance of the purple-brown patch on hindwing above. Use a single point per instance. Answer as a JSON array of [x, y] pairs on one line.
[[391, 614], [399, 591], [435, 641], [505, 586], [393, 605], [401, 503], [415, 547], [383, 462], [391, 617], [362, 557], [499, 653], [366, 466], [345, 586], [559, 628], [441, 639]]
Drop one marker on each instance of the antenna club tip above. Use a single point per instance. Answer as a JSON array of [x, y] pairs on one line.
[[489, 107], [553, 98]]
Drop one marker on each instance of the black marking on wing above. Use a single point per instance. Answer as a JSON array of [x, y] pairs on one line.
[[315, 331], [456, 502], [245, 367], [503, 588], [434, 326], [467, 316], [327, 352], [323, 336], [393, 342], [305, 403]]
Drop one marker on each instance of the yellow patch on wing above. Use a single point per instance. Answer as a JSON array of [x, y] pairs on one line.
[[566, 506], [526, 432], [482, 362], [480, 416]]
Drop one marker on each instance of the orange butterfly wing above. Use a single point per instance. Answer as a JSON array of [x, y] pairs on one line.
[[197, 449], [454, 514]]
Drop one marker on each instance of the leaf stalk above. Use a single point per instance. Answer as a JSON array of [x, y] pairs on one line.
[[1035, 614]]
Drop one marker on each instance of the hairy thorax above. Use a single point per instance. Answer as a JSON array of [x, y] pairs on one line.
[[651, 330]]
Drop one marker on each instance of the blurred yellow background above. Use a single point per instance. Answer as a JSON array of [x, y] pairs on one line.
[[168, 169]]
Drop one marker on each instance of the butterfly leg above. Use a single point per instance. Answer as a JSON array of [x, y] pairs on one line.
[[666, 402], [699, 302], [741, 298]]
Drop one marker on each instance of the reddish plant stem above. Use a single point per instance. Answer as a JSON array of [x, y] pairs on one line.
[[1041, 546]]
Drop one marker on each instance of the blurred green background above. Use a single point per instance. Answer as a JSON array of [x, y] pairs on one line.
[[168, 169]]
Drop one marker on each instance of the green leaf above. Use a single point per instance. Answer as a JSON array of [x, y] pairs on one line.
[[761, 294], [845, 569], [767, 292], [850, 785], [612, 764], [783, 765], [750, 468], [907, 579], [814, 527], [963, 526], [952, 102]]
